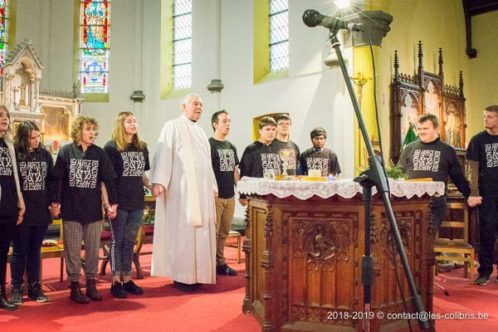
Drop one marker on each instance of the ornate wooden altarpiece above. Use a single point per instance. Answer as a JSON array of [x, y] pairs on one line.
[[52, 110], [426, 92]]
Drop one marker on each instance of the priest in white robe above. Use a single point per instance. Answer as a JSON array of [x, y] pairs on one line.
[[184, 185]]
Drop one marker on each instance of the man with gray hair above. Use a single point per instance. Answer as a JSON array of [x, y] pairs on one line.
[[319, 157], [184, 185]]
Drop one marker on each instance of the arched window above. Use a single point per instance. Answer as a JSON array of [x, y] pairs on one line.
[[182, 44], [176, 47], [279, 35], [271, 39], [94, 51]]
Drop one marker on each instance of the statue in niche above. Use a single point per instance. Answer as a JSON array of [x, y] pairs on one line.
[[431, 99], [21, 90], [409, 115], [452, 126]]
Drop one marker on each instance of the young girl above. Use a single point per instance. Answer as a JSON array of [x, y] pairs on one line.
[[35, 166], [11, 200], [130, 158]]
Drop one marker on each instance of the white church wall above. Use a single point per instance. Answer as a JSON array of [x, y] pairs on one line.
[[313, 94]]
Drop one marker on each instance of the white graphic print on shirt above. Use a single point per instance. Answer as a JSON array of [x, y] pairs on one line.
[[33, 174], [133, 163], [288, 157], [227, 160], [83, 173], [5, 162], [426, 160], [491, 150], [270, 161], [318, 163]]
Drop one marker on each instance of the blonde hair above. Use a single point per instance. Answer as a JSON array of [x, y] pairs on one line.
[[119, 134], [78, 125], [8, 133]]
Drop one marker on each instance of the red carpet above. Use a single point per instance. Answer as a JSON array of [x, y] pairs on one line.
[[215, 308]]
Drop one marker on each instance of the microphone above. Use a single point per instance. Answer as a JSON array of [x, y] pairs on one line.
[[313, 18]]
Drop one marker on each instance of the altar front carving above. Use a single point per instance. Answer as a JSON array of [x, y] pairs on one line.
[[303, 256], [52, 110]]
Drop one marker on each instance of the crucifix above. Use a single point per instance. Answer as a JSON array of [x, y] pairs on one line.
[[360, 80]]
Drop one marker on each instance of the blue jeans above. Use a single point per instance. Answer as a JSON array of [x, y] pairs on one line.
[[26, 254], [124, 229]]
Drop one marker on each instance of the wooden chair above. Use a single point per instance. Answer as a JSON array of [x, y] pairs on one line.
[[145, 235], [234, 239], [56, 250], [105, 245], [452, 240]]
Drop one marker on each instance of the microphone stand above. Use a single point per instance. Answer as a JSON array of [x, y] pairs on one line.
[[375, 176]]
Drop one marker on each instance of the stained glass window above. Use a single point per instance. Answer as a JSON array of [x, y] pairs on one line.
[[279, 35], [182, 44], [94, 38], [4, 31]]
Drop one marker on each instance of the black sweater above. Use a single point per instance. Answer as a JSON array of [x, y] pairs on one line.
[[36, 173], [435, 160], [129, 166], [78, 176]]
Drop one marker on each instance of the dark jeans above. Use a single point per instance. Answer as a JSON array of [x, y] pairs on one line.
[[124, 230], [26, 254], [7, 233], [438, 211], [488, 229]]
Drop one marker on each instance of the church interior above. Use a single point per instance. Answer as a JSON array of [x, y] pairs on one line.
[[253, 58]]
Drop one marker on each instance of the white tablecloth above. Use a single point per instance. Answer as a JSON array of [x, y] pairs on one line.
[[346, 188]]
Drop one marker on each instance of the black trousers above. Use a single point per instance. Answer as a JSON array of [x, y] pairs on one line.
[[488, 229], [26, 254], [7, 233], [438, 211]]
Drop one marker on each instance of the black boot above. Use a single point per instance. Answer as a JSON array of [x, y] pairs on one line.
[[16, 294], [91, 290], [35, 293], [76, 294], [4, 304]]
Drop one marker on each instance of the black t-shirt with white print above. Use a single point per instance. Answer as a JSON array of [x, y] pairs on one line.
[[483, 148], [8, 196], [290, 152], [79, 175], [37, 184], [435, 160], [320, 159], [224, 159], [129, 166], [258, 158]]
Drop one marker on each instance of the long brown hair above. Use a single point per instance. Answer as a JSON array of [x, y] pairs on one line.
[[8, 133], [23, 138], [119, 134]]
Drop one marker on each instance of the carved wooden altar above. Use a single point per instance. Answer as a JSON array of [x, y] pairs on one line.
[[303, 261]]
